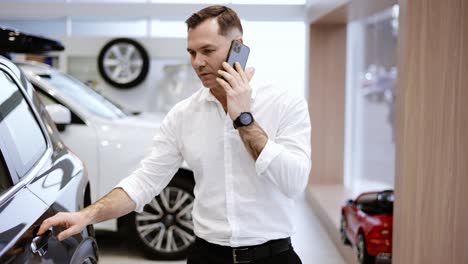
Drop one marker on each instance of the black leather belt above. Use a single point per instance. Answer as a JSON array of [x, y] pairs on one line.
[[249, 254]]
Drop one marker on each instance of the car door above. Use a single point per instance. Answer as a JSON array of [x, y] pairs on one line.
[[39, 177], [24, 151], [353, 223], [20, 211], [356, 215], [360, 217]]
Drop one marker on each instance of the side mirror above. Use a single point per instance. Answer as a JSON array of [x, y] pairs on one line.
[[60, 115]]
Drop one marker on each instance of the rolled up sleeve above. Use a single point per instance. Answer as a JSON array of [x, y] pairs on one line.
[[269, 153], [285, 159]]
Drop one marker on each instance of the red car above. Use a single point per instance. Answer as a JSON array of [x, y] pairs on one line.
[[366, 225]]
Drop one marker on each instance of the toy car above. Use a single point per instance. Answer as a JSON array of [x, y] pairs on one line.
[[366, 224]]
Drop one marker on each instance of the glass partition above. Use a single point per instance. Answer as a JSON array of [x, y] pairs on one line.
[[371, 83]]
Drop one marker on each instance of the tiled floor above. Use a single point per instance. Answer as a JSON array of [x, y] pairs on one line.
[[311, 242]]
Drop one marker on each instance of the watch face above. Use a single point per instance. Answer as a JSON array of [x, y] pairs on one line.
[[245, 119]]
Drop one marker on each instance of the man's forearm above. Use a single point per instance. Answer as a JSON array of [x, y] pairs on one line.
[[254, 138], [113, 205]]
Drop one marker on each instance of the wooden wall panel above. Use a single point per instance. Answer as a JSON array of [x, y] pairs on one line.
[[337, 16], [327, 71], [431, 207]]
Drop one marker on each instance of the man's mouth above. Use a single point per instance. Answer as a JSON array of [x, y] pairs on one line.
[[204, 75]]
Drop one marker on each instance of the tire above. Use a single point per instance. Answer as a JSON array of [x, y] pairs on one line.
[[163, 214], [343, 237], [86, 203], [123, 63], [361, 248]]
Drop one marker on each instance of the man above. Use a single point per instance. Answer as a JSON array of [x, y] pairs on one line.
[[246, 177]]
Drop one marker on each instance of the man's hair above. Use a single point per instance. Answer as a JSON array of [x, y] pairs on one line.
[[226, 17]]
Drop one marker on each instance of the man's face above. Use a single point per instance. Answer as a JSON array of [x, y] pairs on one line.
[[207, 51]]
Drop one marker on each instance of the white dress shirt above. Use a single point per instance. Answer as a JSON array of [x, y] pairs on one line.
[[238, 201]]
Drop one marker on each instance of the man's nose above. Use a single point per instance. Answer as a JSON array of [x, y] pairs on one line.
[[199, 61]]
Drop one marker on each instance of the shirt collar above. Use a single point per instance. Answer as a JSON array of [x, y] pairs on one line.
[[206, 95]]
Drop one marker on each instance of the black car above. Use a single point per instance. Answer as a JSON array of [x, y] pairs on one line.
[[39, 177]]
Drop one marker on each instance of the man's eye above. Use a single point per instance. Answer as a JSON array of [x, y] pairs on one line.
[[207, 51]]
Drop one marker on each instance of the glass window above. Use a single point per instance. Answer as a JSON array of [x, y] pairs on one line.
[[46, 100], [83, 95], [367, 198], [21, 134], [371, 84], [279, 59], [5, 180]]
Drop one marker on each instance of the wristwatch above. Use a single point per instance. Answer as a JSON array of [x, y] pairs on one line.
[[244, 119]]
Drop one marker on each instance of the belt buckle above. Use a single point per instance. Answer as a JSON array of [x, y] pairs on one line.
[[234, 255]]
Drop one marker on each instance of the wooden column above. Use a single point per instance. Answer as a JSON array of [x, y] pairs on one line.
[[431, 207], [327, 79]]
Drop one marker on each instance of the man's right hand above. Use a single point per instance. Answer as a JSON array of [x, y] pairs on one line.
[[113, 205], [72, 222]]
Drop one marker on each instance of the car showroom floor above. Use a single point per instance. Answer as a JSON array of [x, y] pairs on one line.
[[311, 242]]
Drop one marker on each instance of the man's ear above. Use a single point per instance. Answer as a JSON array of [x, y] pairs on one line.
[[241, 40]]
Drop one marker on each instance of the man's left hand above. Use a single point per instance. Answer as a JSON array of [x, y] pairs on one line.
[[236, 85]]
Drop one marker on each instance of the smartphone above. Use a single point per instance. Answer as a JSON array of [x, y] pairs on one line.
[[238, 53]]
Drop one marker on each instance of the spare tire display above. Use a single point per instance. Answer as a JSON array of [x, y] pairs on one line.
[[123, 63]]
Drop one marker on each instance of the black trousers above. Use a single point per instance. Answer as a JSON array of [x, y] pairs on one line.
[[203, 252]]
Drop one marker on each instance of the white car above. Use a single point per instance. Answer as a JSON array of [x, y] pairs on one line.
[[111, 142]]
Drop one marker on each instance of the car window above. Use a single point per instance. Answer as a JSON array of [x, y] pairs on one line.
[[367, 198], [386, 196], [48, 100], [20, 133], [83, 95], [5, 180]]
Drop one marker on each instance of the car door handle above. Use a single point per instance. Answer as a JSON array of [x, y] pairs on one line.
[[39, 244]]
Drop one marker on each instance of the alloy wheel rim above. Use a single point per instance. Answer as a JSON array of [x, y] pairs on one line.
[[123, 63], [166, 222]]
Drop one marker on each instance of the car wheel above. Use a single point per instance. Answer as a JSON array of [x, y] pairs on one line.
[[164, 230], [361, 248], [123, 63], [343, 227]]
